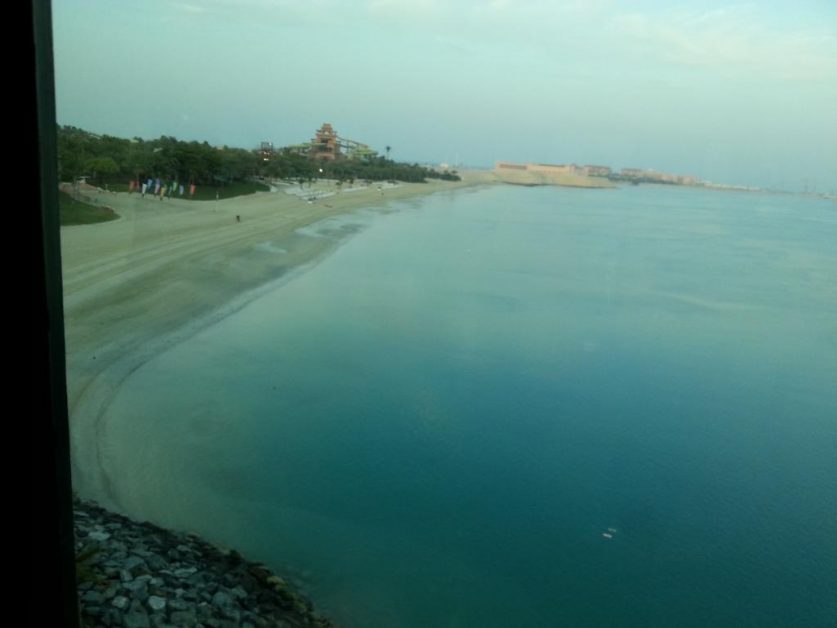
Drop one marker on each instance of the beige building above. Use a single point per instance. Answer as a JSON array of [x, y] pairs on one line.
[[547, 174], [325, 144], [597, 171]]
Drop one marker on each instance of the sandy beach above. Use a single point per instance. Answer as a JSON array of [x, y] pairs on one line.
[[165, 269]]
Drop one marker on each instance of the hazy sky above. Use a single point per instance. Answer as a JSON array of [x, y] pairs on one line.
[[730, 92]]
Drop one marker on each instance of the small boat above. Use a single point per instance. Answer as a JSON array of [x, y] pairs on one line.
[[607, 535]]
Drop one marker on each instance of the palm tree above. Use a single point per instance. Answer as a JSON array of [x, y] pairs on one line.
[[388, 149]]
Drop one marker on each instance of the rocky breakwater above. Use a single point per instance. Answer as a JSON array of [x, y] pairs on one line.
[[138, 575]]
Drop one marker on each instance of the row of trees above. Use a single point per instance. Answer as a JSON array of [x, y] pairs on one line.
[[108, 159], [381, 169]]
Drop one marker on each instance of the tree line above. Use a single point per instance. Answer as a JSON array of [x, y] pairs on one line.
[[107, 159], [381, 169]]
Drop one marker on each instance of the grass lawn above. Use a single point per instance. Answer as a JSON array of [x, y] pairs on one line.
[[239, 188], [73, 212], [115, 187]]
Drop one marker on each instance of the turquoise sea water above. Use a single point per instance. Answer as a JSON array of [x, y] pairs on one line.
[[436, 424]]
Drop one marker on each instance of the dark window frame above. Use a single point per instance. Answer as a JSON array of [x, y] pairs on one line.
[[52, 584]]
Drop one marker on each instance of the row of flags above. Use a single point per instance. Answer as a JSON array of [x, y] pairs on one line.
[[159, 188]]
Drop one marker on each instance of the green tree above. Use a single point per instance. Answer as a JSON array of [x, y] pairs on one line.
[[100, 167]]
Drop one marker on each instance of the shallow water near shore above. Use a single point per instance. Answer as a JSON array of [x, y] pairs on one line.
[[438, 423]]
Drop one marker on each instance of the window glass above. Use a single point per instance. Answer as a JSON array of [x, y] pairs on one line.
[[458, 313]]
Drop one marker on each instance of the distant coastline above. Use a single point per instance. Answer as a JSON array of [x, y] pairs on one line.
[[597, 176], [546, 174]]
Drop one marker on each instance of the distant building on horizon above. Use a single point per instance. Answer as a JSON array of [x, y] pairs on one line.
[[325, 144], [597, 171], [328, 146], [571, 175], [652, 176], [266, 151], [556, 169]]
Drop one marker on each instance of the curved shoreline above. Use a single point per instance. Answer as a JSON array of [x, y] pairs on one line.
[[140, 285]]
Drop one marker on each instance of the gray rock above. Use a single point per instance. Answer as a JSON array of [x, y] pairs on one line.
[[93, 597], [185, 572], [120, 601], [139, 586], [186, 618], [136, 585], [136, 617], [98, 536], [135, 565], [223, 600], [158, 620], [136, 620], [204, 611], [92, 610], [112, 617], [190, 595], [156, 603], [138, 589], [156, 563], [178, 605]]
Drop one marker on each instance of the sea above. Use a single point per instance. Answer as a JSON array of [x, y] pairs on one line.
[[520, 407]]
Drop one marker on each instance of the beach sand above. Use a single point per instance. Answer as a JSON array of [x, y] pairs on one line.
[[135, 286]]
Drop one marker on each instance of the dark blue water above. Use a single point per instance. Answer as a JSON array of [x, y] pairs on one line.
[[437, 424]]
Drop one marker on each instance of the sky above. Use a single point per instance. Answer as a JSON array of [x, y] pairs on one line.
[[741, 93]]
